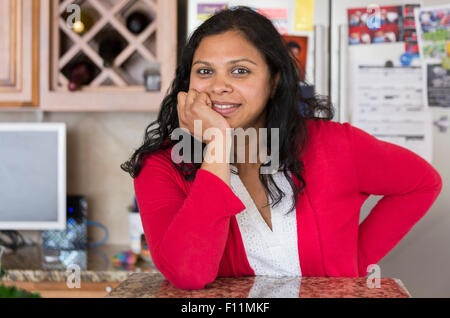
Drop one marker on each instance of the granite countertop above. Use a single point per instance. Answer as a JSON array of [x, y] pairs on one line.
[[29, 264], [140, 285]]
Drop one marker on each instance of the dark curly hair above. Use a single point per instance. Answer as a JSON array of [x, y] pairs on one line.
[[286, 110]]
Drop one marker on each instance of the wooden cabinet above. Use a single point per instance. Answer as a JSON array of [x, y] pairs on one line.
[[119, 87], [18, 53], [60, 289], [38, 48]]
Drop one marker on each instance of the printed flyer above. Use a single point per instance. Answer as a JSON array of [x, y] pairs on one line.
[[433, 31], [375, 25], [433, 34]]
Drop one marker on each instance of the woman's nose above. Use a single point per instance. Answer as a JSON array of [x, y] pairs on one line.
[[220, 84]]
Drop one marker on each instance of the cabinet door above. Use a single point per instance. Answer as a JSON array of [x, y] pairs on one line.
[[119, 87], [18, 53]]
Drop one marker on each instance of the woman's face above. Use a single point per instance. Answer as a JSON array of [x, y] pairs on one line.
[[232, 72]]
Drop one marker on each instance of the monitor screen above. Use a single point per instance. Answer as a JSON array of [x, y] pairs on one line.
[[32, 176]]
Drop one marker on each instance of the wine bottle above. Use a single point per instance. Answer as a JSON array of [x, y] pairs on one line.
[[109, 47], [86, 21], [80, 74], [137, 22]]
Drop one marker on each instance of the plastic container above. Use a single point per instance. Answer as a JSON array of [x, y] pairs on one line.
[[135, 229]]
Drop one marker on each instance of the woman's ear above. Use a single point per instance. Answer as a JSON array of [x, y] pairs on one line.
[[275, 81]]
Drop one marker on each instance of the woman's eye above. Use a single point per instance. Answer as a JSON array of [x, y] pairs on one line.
[[240, 71], [203, 71]]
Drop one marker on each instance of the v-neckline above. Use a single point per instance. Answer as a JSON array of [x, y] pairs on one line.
[[251, 205]]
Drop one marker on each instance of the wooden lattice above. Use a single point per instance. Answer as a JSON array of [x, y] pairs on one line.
[[119, 87], [111, 15]]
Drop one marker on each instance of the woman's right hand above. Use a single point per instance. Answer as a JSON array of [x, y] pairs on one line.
[[195, 105]]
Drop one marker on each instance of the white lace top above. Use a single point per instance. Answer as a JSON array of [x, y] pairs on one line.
[[275, 287], [271, 253]]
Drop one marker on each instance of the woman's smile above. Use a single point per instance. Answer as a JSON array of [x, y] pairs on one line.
[[225, 108]]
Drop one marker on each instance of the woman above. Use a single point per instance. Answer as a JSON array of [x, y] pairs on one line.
[[214, 218]]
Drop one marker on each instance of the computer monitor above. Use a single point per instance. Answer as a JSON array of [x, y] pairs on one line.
[[32, 176]]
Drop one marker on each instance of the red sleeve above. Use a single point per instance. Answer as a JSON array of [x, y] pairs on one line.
[[186, 234], [409, 185]]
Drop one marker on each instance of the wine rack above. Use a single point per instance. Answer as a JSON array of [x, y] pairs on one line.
[[119, 86]]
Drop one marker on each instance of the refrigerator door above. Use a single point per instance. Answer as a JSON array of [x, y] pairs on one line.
[[421, 255]]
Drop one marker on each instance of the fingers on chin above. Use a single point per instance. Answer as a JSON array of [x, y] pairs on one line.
[[181, 98]]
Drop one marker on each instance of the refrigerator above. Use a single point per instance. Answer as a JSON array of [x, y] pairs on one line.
[[422, 255]]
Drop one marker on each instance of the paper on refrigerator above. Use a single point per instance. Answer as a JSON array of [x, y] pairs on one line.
[[388, 104], [304, 15], [433, 35]]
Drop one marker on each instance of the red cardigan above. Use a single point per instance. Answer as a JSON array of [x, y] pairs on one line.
[[193, 235]]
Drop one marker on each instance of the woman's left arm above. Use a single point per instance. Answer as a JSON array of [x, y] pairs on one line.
[[409, 184]]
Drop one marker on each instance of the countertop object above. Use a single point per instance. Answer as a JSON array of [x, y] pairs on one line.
[[141, 285], [27, 264]]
